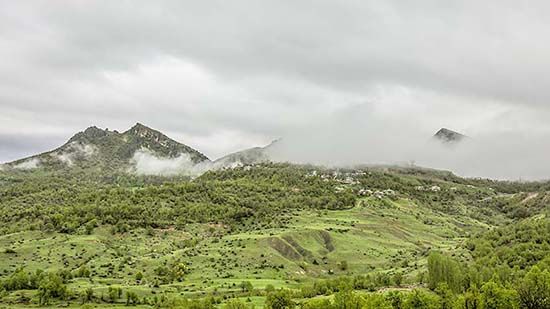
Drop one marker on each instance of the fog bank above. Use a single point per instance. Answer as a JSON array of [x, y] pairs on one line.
[[147, 163], [504, 155]]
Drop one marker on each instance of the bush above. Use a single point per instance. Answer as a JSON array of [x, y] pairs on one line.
[[495, 296], [236, 304], [534, 289], [343, 265], [281, 299], [51, 286], [421, 299], [131, 298]]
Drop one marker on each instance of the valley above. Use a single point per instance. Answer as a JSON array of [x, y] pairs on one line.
[[274, 154]]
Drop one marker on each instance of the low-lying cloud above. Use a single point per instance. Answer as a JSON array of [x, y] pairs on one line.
[[468, 66], [510, 156], [147, 163], [74, 151], [28, 164], [355, 138]]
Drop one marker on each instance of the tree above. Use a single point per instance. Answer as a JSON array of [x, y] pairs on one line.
[[447, 298], [378, 301], [421, 299], [246, 286], [395, 299], [19, 280], [89, 294], [534, 289], [443, 269], [89, 227], [269, 288], [235, 304], [51, 286], [113, 294], [82, 272], [131, 298], [318, 304], [281, 299], [343, 265], [178, 271], [207, 303], [398, 279], [495, 296], [348, 300], [139, 276], [471, 299]]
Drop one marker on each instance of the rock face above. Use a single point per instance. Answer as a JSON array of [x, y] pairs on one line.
[[449, 136], [140, 136], [104, 149]]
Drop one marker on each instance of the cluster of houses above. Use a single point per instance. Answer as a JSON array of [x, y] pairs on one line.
[[377, 193], [347, 178], [367, 192], [429, 188]]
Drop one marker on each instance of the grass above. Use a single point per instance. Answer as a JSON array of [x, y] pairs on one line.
[[378, 235]]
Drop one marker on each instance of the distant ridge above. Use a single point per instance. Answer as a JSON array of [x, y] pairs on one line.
[[249, 156], [142, 148]]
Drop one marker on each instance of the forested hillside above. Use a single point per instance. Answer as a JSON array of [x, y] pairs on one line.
[[273, 236]]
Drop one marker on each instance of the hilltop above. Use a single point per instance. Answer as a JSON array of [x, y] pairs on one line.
[[102, 149], [449, 136], [249, 156]]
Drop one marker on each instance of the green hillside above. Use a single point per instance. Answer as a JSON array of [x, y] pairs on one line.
[[243, 232]]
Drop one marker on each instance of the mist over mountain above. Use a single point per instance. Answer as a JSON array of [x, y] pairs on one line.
[[449, 136], [249, 156], [288, 154], [139, 149], [142, 150]]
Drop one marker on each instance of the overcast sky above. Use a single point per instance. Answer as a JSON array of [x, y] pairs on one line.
[[225, 75]]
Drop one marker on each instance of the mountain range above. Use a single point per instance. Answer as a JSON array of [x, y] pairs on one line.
[[103, 149]]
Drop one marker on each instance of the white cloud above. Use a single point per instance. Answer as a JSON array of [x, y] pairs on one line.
[[244, 73], [73, 152], [28, 164], [147, 163]]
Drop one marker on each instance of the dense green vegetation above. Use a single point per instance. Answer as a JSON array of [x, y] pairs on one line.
[[273, 236], [237, 198]]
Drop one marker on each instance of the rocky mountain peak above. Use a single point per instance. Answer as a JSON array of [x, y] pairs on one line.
[[103, 149], [449, 136], [90, 133]]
